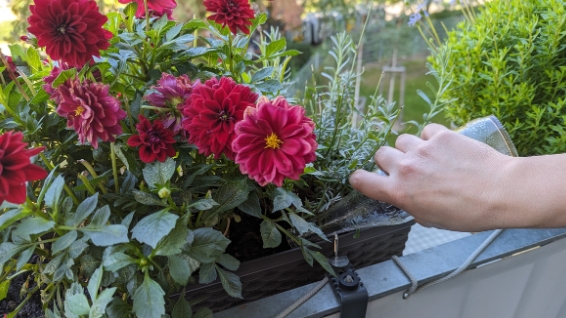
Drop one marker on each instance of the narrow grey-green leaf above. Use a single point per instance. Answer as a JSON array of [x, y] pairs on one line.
[[98, 308], [229, 262], [85, 209], [323, 261], [270, 234], [7, 250], [158, 172], [173, 32], [231, 283], [24, 257], [251, 206], [152, 228], [108, 235], [204, 204], [182, 309], [148, 300], [12, 216], [179, 270], [128, 219], [64, 242], [76, 304], [100, 217], [78, 247], [147, 198], [207, 273], [208, 244], [53, 195], [94, 283], [262, 74], [121, 156], [31, 226], [115, 261]]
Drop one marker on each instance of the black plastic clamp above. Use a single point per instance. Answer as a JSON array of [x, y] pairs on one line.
[[351, 291]]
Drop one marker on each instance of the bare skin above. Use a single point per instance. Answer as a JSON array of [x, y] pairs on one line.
[[450, 181]]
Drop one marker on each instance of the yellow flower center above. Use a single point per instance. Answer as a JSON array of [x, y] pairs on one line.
[[273, 142], [79, 110]]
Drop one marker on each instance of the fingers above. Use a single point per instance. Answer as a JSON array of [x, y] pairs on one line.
[[387, 157], [407, 142], [371, 184], [431, 130]]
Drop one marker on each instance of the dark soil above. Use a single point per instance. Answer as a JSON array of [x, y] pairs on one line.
[[247, 243], [32, 309]]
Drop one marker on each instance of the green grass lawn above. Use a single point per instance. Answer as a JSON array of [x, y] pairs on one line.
[[416, 78]]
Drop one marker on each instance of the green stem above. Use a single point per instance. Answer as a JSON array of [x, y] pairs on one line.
[[90, 169], [129, 112], [159, 109], [24, 302], [87, 184], [231, 57], [146, 15], [114, 166], [66, 187]]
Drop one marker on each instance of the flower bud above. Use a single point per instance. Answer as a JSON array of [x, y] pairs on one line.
[[164, 193]]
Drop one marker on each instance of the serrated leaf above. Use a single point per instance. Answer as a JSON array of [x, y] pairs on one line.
[[32, 226], [229, 262], [304, 227], [115, 261], [284, 199], [53, 195], [251, 206], [182, 309], [204, 204], [76, 302], [148, 300], [270, 86], [270, 234], [64, 242], [107, 235], [52, 266], [230, 195], [262, 74], [159, 172], [208, 244], [179, 269], [152, 228], [4, 287], [323, 261], [207, 273], [147, 198], [85, 209], [98, 309], [78, 247], [174, 242], [231, 283]]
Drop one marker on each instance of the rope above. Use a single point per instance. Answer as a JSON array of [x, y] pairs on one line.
[[303, 299], [415, 288]]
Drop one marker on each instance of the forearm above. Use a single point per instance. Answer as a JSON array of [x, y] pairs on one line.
[[532, 193]]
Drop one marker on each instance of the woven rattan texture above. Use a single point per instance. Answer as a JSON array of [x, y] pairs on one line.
[[292, 275]]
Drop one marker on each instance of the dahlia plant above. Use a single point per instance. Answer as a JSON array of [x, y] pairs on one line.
[[132, 146]]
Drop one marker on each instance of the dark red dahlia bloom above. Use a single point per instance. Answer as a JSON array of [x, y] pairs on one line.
[[215, 108], [70, 30], [48, 86], [156, 7], [155, 142], [236, 14], [16, 168], [90, 110], [274, 141]]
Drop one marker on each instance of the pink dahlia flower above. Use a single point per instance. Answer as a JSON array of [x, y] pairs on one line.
[[90, 110], [215, 108], [274, 141], [155, 142], [70, 30], [171, 92], [48, 86], [156, 7], [16, 168], [236, 14]]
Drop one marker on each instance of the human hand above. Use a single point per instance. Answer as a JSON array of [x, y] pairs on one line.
[[443, 179]]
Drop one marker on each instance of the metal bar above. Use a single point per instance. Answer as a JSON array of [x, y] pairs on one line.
[[386, 278]]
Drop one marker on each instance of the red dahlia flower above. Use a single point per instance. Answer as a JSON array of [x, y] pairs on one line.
[[70, 30], [274, 141], [215, 108], [90, 110], [155, 142], [156, 7], [16, 168], [172, 92], [48, 86], [236, 14]]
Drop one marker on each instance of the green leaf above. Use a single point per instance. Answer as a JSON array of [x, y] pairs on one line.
[[40, 97], [195, 24], [275, 47], [94, 283], [230, 195], [207, 273], [114, 261], [118, 308], [85, 209], [231, 283], [270, 86], [159, 172], [174, 242], [53, 195], [107, 235], [323, 261], [148, 300], [262, 74], [152, 228], [64, 242], [203, 313], [208, 244], [251, 206], [173, 32], [66, 74], [284, 199], [98, 309], [179, 269], [229, 262], [304, 227], [147, 198], [4, 287], [24, 257], [160, 23], [258, 20], [12, 216], [204, 204], [100, 217], [270, 234], [130, 10], [32, 226], [182, 309], [78, 247], [307, 254], [75, 301], [33, 59]]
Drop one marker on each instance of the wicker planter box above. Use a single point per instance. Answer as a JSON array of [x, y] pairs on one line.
[[287, 270]]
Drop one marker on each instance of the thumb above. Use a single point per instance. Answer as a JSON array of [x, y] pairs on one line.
[[371, 184]]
